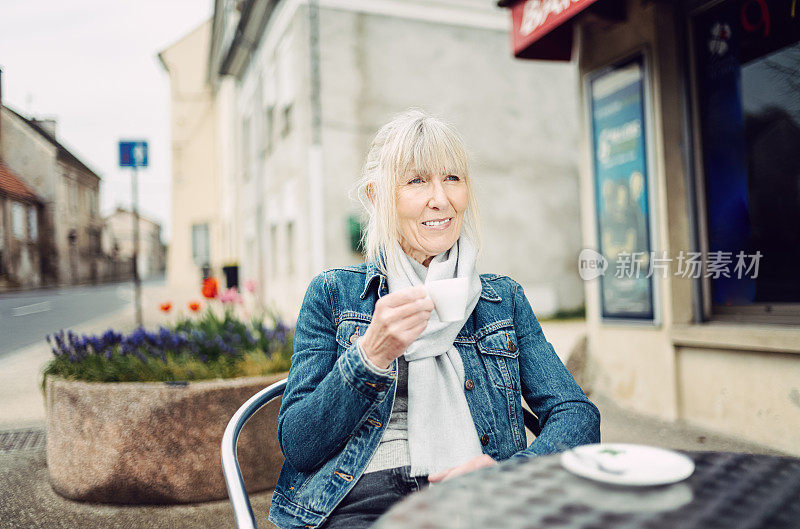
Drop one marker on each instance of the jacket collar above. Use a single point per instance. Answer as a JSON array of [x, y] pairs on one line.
[[373, 275]]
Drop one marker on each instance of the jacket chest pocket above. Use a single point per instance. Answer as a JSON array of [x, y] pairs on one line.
[[500, 355], [349, 331]]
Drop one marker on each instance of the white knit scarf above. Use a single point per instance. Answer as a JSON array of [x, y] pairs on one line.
[[441, 433]]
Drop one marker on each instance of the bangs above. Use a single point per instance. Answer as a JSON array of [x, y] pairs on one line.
[[427, 149]]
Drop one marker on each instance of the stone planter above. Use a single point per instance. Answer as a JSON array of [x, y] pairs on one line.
[[151, 442]]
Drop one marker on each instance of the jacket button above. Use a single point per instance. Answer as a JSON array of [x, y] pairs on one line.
[[469, 384], [380, 387], [484, 439], [512, 346]]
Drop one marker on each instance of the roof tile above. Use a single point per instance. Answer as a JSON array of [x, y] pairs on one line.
[[12, 185]]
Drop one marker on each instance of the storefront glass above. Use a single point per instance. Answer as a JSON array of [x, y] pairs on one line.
[[747, 59]]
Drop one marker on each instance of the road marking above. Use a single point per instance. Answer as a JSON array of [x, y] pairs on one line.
[[36, 308]]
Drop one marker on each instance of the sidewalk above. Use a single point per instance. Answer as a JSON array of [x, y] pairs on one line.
[[20, 372], [28, 502]]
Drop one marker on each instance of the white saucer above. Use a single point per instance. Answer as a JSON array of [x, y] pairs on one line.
[[628, 464]]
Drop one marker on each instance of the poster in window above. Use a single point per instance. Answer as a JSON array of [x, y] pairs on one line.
[[621, 190]]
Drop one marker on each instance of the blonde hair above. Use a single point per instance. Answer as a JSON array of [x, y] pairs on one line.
[[411, 142]]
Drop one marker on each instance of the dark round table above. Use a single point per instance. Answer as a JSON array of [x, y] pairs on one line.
[[727, 490]]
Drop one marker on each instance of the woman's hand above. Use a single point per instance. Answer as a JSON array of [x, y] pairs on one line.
[[473, 464], [398, 320]]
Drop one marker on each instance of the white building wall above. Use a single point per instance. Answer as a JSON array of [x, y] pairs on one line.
[[196, 187], [381, 58], [518, 119], [273, 192], [119, 231], [30, 156], [36, 160], [225, 100]]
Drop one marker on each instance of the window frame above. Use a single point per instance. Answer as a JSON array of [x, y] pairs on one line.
[[196, 259], [645, 56], [777, 313]]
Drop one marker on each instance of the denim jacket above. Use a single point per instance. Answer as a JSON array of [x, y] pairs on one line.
[[335, 409]]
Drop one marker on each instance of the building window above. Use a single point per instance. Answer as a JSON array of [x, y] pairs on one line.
[[286, 128], [246, 152], [72, 190], [285, 85], [94, 242], [92, 202], [269, 128], [18, 220], [273, 249], [201, 252], [747, 57], [63, 200], [2, 239], [290, 247], [33, 223], [268, 97]]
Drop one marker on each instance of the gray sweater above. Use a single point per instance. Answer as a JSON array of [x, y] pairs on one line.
[[393, 449]]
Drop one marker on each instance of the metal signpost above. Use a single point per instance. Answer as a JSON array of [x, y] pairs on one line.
[[133, 154]]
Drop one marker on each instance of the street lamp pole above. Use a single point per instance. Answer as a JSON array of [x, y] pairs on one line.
[[133, 154], [137, 282]]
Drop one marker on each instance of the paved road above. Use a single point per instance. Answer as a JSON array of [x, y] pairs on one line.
[[27, 317]]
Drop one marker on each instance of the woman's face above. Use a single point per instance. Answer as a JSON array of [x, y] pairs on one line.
[[430, 210]]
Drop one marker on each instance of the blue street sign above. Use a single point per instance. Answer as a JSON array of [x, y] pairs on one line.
[[133, 154]]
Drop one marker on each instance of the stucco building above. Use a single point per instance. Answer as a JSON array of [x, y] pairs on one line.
[[118, 242], [313, 83], [690, 179], [196, 189], [69, 223]]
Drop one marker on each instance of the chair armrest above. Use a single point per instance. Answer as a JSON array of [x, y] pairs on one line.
[[237, 493]]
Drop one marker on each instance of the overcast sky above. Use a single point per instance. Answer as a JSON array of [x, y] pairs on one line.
[[92, 64]]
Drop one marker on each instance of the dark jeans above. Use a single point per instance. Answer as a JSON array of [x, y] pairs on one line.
[[372, 496]]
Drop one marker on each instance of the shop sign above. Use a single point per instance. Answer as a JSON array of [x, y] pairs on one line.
[[533, 19]]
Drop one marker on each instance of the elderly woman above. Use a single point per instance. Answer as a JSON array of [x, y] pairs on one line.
[[383, 396]]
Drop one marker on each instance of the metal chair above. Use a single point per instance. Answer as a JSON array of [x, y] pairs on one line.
[[237, 493]]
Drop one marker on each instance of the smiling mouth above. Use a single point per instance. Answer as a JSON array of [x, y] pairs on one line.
[[439, 223]]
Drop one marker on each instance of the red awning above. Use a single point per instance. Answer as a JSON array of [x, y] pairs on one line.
[[542, 29]]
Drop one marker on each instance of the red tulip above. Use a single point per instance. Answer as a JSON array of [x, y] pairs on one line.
[[165, 307], [194, 306], [210, 288]]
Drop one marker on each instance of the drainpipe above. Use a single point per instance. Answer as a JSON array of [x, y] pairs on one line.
[[316, 179]]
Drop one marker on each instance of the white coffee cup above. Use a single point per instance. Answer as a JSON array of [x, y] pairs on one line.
[[449, 297]]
